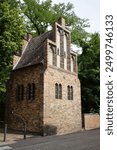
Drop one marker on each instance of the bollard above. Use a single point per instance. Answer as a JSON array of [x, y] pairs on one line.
[[5, 132], [24, 131]]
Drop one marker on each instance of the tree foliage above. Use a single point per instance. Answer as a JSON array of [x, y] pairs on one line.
[[11, 34], [89, 74], [40, 15]]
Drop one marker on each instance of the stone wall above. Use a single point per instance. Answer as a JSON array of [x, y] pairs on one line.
[[91, 121], [31, 111], [45, 112], [61, 116]]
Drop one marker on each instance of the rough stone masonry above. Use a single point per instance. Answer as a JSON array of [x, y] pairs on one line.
[[44, 89]]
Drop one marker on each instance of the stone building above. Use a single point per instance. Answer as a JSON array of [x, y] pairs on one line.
[[44, 89]]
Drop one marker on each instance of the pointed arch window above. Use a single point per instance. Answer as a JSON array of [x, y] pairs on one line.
[[70, 92], [58, 91], [52, 55]]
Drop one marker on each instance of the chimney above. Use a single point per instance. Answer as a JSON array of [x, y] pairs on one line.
[[28, 37], [25, 41], [61, 21]]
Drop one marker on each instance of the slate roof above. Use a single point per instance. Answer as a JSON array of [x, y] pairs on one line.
[[33, 52]]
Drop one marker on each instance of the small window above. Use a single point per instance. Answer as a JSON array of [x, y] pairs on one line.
[[19, 92], [22, 92], [58, 91], [70, 92], [31, 91]]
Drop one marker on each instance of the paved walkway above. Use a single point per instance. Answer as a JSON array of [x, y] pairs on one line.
[[86, 140], [11, 137]]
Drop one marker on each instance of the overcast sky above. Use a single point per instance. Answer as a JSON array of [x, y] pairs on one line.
[[88, 9]]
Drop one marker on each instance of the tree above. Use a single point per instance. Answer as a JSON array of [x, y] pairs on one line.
[[89, 74], [40, 15], [11, 34]]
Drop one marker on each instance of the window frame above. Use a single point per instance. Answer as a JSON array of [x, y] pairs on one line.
[[58, 91], [31, 91], [19, 92], [70, 92]]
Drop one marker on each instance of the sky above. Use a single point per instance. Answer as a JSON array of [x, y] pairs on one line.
[[88, 9]]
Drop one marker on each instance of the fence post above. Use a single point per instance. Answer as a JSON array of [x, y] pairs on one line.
[[5, 132], [24, 130]]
